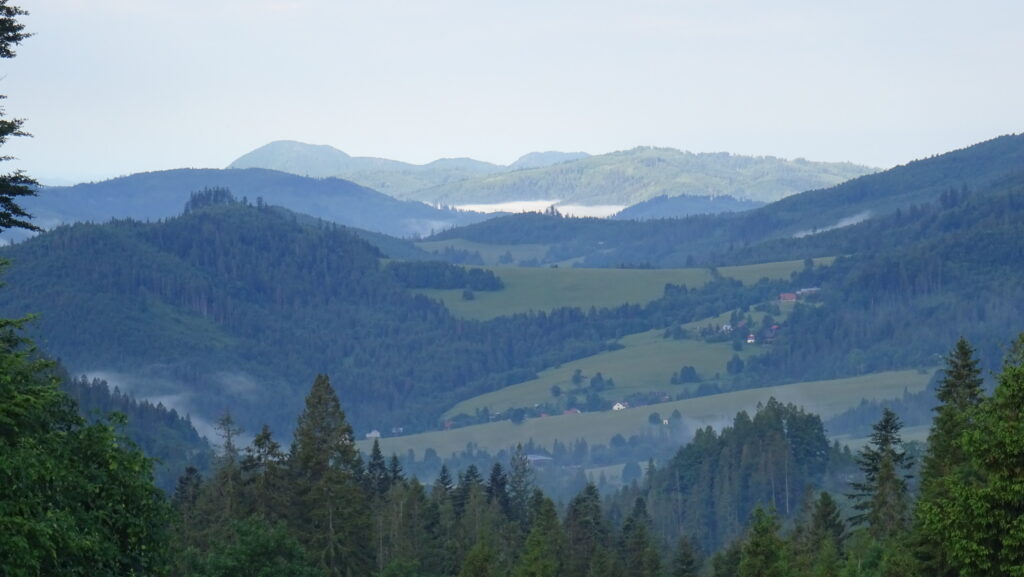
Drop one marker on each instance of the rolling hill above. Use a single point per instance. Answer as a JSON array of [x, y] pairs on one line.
[[618, 178], [632, 176], [157, 195], [238, 305], [713, 239]]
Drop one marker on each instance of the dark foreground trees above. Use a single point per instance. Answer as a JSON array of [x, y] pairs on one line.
[[976, 511], [75, 498]]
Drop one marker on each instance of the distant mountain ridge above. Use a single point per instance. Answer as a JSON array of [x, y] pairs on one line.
[[704, 239], [618, 178], [392, 177], [682, 206], [161, 194]]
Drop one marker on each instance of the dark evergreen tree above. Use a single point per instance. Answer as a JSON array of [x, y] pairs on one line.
[[882, 498], [978, 517], [585, 530], [395, 474], [264, 476], [443, 485], [497, 488], [520, 487], [13, 186], [377, 480], [639, 555], [544, 554], [686, 562], [469, 481], [221, 500], [329, 511], [762, 555], [960, 393]]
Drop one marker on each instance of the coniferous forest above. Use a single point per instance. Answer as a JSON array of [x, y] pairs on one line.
[[94, 482]]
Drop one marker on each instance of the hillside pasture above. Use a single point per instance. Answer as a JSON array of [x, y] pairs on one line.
[[544, 289], [491, 253], [825, 398], [645, 364]]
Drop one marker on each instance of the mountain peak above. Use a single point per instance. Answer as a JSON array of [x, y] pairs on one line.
[[547, 158]]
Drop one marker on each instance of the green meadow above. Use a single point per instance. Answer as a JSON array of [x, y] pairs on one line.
[[825, 398], [543, 289], [645, 364], [491, 253]]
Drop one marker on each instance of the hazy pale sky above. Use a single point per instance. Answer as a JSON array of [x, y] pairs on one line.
[[113, 87]]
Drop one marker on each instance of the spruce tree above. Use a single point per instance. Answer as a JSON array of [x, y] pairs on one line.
[[979, 518], [585, 531], [639, 556], [16, 185], [520, 487], [686, 562], [882, 497], [497, 488], [264, 477], [377, 479], [960, 393], [762, 553], [220, 502], [329, 507], [545, 544]]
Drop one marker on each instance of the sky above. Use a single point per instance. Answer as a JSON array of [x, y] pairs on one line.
[[114, 87]]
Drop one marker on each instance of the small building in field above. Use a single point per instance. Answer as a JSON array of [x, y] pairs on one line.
[[751, 339], [787, 297], [374, 434], [620, 406]]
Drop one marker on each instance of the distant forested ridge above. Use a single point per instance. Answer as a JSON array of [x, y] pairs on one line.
[[680, 206], [624, 177], [714, 240], [161, 194]]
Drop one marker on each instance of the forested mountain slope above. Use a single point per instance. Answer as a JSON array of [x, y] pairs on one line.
[[704, 239], [911, 282], [156, 195], [232, 306], [681, 206]]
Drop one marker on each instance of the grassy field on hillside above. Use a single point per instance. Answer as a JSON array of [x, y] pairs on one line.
[[529, 289], [645, 364], [825, 398], [491, 253]]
